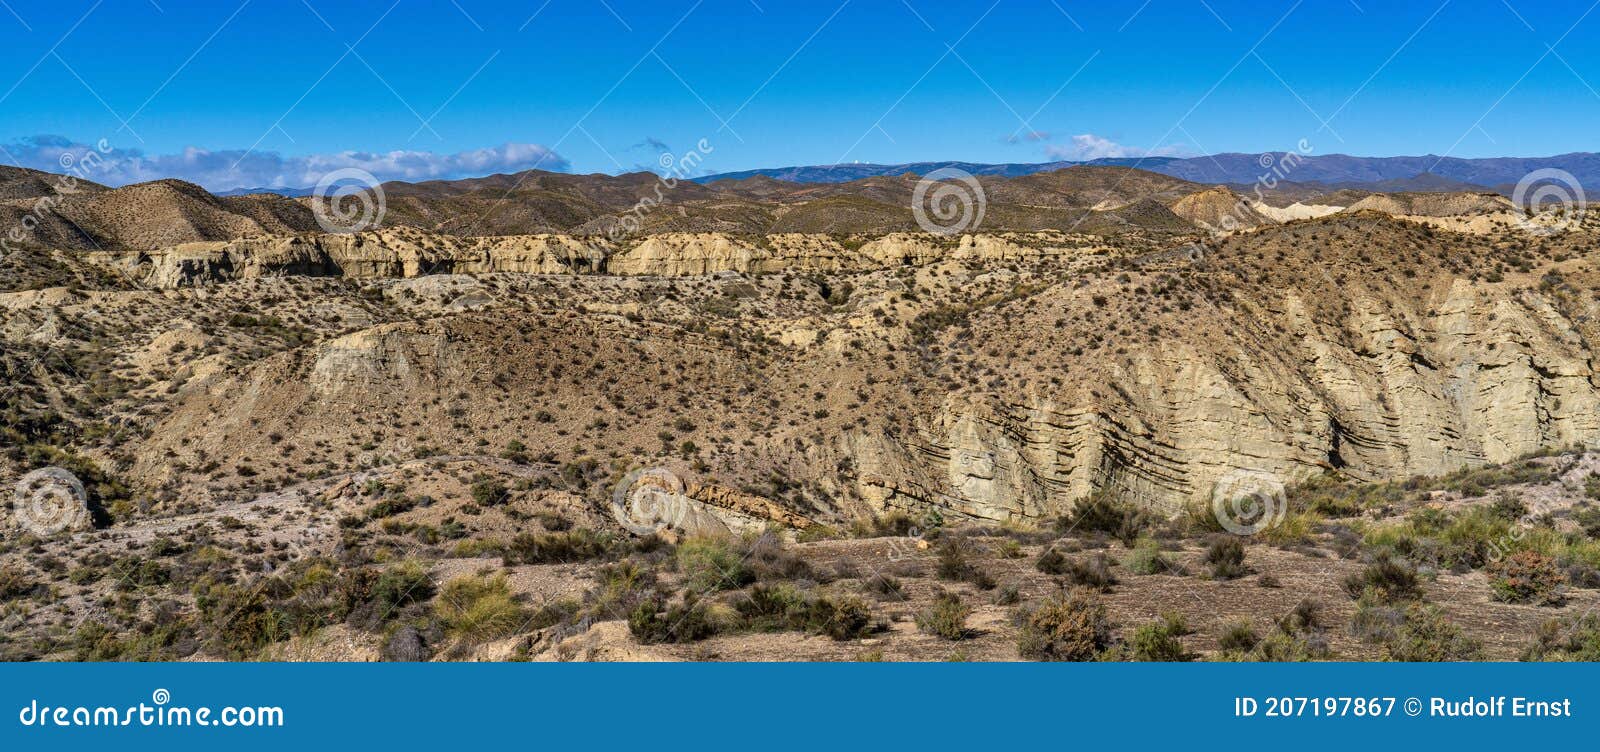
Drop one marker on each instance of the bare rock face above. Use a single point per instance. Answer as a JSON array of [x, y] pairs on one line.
[[1481, 377], [408, 252]]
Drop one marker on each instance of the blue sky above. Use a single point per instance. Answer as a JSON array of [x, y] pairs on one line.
[[233, 93]]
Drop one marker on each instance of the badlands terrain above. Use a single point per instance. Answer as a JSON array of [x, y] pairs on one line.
[[1127, 417]]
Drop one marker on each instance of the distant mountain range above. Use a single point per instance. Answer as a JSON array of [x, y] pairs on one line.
[[1427, 172], [1385, 174], [1164, 194]]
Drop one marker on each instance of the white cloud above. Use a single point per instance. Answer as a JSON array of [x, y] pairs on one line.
[[1089, 146], [234, 168]]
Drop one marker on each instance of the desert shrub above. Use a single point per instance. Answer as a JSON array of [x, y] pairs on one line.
[[1588, 516], [1305, 617], [773, 607], [1052, 561], [1508, 506], [479, 608], [14, 583], [1225, 558], [839, 617], [1572, 639], [1238, 637], [1146, 558], [1282, 647], [488, 493], [711, 563], [768, 559], [1426, 635], [1008, 595], [779, 607], [618, 588], [553, 613], [1158, 641], [1294, 528], [237, 621], [1375, 621], [1385, 581], [1470, 537], [400, 585], [1104, 512], [563, 547], [1527, 577], [954, 564], [946, 617], [1092, 572], [1009, 549], [1068, 627], [689, 620], [894, 524], [885, 586], [1331, 496]]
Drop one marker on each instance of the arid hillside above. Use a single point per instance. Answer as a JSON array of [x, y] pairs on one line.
[[1345, 430]]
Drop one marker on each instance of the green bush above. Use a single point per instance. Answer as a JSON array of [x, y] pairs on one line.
[[1572, 639], [1238, 637], [710, 563], [885, 586], [946, 618], [690, 620], [839, 617], [954, 565], [14, 583], [479, 608], [1147, 558], [1386, 581], [1426, 635], [489, 493], [1225, 558], [564, 547], [1092, 572], [400, 585], [1068, 627], [1104, 512], [781, 606], [1158, 642]]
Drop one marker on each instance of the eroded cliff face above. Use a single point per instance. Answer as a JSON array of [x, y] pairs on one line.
[[1480, 374], [938, 379], [408, 252]]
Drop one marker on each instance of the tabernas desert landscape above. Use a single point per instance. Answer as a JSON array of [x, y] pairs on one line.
[[1092, 412]]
